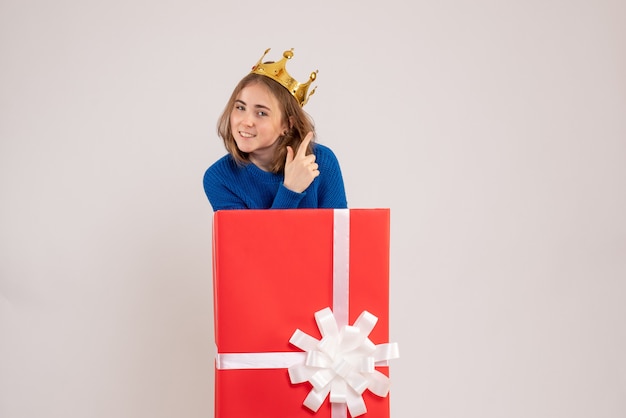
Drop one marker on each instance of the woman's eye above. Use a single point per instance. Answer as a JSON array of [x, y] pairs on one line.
[[261, 113], [240, 107]]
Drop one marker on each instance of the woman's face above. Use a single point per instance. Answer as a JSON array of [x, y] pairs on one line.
[[256, 123]]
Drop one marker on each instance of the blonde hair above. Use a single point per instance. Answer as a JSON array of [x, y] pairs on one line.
[[292, 114]]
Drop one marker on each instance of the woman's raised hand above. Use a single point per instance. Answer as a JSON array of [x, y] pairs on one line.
[[301, 169]]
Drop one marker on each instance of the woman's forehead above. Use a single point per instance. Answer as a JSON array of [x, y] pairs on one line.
[[258, 94]]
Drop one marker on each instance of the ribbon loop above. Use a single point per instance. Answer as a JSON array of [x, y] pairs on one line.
[[314, 399], [338, 391], [318, 359], [366, 322], [303, 341], [326, 323], [299, 373], [378, 384], [387, 351], [357, 382], [356, 405]]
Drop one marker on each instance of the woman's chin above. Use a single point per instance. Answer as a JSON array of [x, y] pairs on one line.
[[243, 146]]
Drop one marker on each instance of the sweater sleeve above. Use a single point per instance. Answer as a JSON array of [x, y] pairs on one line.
[[287, 199], [219, 194]]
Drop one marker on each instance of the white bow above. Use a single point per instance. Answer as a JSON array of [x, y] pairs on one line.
[[342, 363]]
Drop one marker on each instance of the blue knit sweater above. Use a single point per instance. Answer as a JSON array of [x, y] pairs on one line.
[[232, 186]]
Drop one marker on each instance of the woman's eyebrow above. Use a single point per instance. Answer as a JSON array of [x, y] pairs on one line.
[[258, 106]]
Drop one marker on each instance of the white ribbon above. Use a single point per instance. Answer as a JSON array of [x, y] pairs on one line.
[[279, 360], [342, 363], [341, 264]]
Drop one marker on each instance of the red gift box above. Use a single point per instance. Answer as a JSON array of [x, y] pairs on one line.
[[272, 271]]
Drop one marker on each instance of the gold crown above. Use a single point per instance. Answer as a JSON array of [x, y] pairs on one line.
[[277, 72]]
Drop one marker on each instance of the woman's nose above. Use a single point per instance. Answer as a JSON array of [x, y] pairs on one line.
[[247, 120]]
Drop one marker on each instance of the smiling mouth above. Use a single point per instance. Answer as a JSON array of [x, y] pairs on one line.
[[246, 134]]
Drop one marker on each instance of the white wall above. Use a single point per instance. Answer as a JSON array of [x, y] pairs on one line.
[[495, 132]]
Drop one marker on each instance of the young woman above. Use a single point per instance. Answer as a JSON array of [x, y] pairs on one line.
[[273, 161]]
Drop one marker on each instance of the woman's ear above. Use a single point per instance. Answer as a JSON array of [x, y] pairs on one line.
[[291, 121]]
